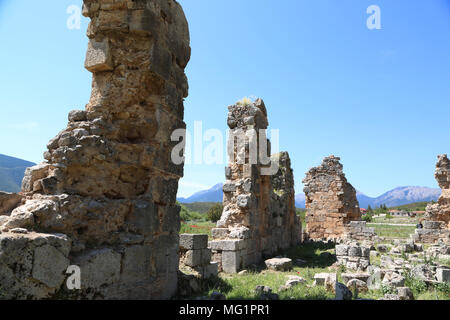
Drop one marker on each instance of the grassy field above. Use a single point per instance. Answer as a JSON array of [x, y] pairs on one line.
[[389, 231], [197, 227], [200, 207], [397, 220], [417, 206], [241, 287]]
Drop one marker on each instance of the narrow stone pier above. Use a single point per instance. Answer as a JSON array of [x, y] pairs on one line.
[[259, 217], [330, 201], [105, 198]]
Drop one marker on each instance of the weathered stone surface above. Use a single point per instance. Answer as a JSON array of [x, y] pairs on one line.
[[353, 255], [32, 265], [259, 216], [193, 241], [279, 264], [330, 200], [443, 274], [360, 285], [109, 182], [342, 292], [440, 211], [405, 293], [8, 202], [347, 277], [393, 279]]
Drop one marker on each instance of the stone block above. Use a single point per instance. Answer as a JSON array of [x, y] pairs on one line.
[[342, 250], [279, 264], [98, 56], [443, 274], [231, 261], [193, 241], [99, 267], [49, 266], [228, 245], [219, 233], [354, 251]]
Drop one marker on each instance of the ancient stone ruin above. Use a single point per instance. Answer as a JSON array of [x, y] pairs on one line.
[[353, 256], [259, 215], [8, 201], [440, 211], [104, 199], [196, 257], [330, 201], [436, 222], [358, 230]]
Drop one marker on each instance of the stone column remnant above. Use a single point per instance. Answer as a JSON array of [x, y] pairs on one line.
[[259, 215], [330, 200], [436, 221], [440, 211], [105, 198]]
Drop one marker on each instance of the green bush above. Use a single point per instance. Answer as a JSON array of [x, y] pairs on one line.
[[215, 212], [443, 287], [367, 217]]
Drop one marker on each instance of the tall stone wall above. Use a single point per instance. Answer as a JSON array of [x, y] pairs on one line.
[[440, 211], [105, 198], [330, 200], [259, 203]]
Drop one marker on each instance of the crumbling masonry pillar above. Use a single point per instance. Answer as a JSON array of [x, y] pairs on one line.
[[330, 201], [105, 198], [259, 215]]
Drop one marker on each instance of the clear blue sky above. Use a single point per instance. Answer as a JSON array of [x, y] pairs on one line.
[[379, 99]]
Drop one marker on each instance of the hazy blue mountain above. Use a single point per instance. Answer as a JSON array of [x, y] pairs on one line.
[[215, 194], [11, 173], [404, 195], [396, 197]]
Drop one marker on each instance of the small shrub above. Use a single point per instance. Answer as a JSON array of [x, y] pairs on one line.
[[215, 213], [443, 287], [244, 102], [367, 217], [387, 289]]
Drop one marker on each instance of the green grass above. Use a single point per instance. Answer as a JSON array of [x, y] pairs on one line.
[[197, 227], [417, 206], [400, 232], [200, 207], [396, 220], [243, 286]]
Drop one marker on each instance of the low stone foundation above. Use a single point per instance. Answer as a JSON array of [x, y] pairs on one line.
[[8, 202], [432, 232], [358, 230], [353, 256], [196, 257]]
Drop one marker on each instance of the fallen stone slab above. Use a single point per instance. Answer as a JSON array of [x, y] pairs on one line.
[[405, 293], [346, 277], [358, 284], [279, 264]]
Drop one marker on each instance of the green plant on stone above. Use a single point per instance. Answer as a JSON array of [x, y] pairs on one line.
[[416, 285], [387, 289], [443, 287], [244, 102]]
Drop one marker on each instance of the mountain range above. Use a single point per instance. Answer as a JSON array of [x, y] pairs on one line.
[[11, 173], [395, 197]]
